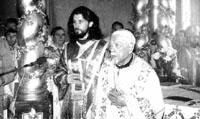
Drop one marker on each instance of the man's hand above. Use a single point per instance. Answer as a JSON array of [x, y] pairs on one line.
[[117, 98]]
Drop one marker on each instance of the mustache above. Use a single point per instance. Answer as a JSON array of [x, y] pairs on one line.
[[75, 29]]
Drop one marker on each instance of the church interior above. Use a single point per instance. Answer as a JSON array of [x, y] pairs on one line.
[[177, 63]]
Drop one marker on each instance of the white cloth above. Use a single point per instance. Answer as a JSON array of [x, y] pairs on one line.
[[142, 90]]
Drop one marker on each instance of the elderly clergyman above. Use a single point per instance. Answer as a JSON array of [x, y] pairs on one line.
[[129, 87]]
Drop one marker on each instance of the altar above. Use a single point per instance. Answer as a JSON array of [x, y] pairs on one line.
[[181, 101]]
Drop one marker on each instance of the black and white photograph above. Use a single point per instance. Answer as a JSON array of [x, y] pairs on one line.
[[99, 59]]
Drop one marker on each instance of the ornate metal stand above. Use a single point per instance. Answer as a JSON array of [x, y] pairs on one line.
[[32, 96]]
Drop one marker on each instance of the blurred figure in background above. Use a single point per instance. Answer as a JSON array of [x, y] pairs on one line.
[[114, 27], [59, 37], [180, 40], [9, 55], [53, 49], [56, 42], [165, 58], [11, 23], [8, 51], [117, 26]]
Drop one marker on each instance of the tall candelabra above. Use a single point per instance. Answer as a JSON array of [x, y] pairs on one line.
[[32, 94]]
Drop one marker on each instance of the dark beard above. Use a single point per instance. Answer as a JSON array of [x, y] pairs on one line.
[[78, 36], [81, 35]]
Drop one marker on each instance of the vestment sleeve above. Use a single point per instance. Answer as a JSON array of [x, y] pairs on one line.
[[61, 76]]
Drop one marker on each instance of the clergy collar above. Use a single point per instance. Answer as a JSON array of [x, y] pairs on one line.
[[126, 65], [83, 41], [84, 44]]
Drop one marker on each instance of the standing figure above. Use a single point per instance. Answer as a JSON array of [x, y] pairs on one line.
[[53, 50], [80, 63], [8, 61], [126, 84]]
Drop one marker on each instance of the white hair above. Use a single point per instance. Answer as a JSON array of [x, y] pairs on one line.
[[127, 37]]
